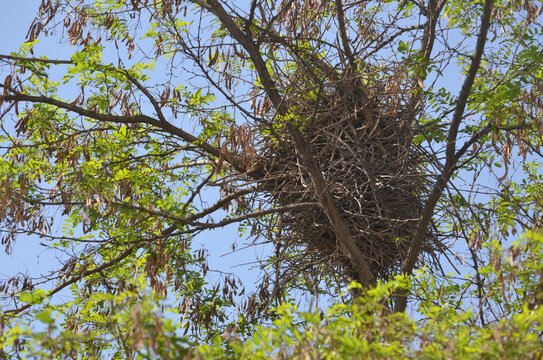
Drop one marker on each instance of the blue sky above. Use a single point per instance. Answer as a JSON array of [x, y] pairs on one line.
[[15, 19]]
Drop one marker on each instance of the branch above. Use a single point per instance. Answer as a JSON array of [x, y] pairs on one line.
[[443, 179], [392, 38], [33, 59], [280, 209], [260, 66], [124, 119], [343, 33], [85, 272], [146, 92], [197, 191], [303, 150], [468, 83], [162, 123], [221, 203], [82, 274], [428, 37], [189, 220]]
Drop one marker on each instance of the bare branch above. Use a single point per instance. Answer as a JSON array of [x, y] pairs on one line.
[[33, 59], [343, 33], [256, 214]]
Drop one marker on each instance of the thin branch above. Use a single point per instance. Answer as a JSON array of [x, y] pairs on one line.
[[33, 59], [343, 33], [466, 87], [392, 38], [82, 274], [146, 92], [252, 215], [221, 203], [197, 191], [260, 66]]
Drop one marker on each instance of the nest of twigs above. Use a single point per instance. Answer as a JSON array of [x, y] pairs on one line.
[[361, 135]]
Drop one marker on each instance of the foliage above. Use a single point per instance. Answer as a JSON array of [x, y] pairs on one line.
[[364, 328], [388, 147]]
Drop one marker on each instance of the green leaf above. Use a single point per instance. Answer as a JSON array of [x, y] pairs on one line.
[[45, 316]]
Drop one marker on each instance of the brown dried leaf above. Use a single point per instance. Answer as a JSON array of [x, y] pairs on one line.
[[7, 84], [213, 59]]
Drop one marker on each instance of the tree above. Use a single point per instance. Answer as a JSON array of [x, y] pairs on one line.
[[331, 130]]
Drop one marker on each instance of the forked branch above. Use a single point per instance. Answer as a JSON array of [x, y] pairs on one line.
[[420, 233]]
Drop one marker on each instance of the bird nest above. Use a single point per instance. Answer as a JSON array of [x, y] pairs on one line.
[[360, 134]]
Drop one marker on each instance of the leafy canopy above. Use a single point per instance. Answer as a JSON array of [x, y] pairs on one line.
[[384, 154]]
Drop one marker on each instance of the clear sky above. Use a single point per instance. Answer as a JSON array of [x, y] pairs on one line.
[[15, 19]]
